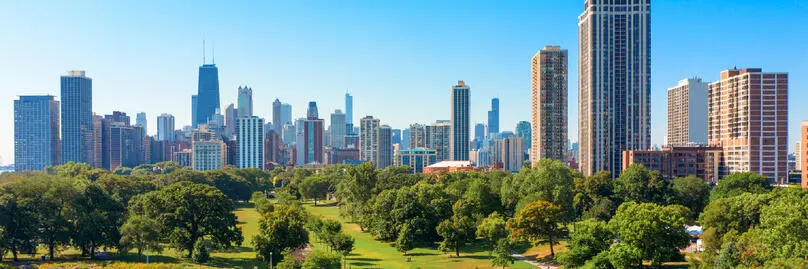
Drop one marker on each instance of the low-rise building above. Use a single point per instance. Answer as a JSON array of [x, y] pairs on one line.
[[417, 159], [704, 162]]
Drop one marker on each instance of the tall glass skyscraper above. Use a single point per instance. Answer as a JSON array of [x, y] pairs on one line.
[[36, 132], [286, 114], [208, 93], [614, 77], [77, 117], [348, 108], [337, 129], [277, 124], [165, 127], [245, 102], [140, 121], [312, 113], [493, 117], [459, 144]]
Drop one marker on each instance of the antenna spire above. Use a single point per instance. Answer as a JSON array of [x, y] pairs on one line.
[[203, 50], [213, 51]]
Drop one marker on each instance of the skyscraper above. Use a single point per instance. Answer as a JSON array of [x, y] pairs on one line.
[[348, 108], [524, 131], [513, 153], [36, 133], [369, 139], [230, 116], [405, 139], [479, 131], [194, 106], [417, 136], [165, 127], [311, 113], [687, 113], [277, 124], [461, 97], [250, 142], [385, 147], [245, 102], [100, 141], [77, 117], [396, 136], [614, 78], [548, 139], [337, 129], [438, 136], [310, 143], [140, 121], [208, 93], [748, 117], [286, 114], [493, 116]]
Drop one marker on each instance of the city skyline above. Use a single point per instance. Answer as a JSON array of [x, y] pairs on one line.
[[113, 89]]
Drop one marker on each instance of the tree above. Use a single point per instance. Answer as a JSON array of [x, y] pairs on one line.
[[456, 232], [18, 222], [315, 188], [280, 230], [623, 255], [592, 198], [589, 237], [639, 184], [355, 191], [492, 229], [734, 213], [502, 251], [53, 209], [319, 259], [538, 221], [406, 239], [141, 233], [201, 254], [342, 243], [97, 220], [549, 180], [190, 212], [691, 192], [656, 231], [738, 183]]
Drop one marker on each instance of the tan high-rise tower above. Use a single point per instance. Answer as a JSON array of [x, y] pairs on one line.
[[748, 117], [549, 104]]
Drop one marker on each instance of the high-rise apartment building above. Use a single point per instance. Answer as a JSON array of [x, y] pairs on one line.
[[125, 146], [438, 137], [513, 153], [369, 139], [549, 105], [459, 144], [337, 129], [687, 113], [803, 149], [405, 139], [396, 136], [277, 124], [208, 93], [36, 132], [245, 102], [77, 117], [348, 108], [798, 154], [165, 127], [208, 155], [230, 116], [748, 117], [614, 80], [100, 143], [493, 116], [250, 142], [385, 147], [417, 136], [140, 121]]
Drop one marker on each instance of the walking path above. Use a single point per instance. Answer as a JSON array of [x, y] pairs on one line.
[[534, 263]]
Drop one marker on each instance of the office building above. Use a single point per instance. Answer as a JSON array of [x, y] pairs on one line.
[[417, 159], [311, 112], [208, 93], [286, 114], [523, 130], [494, 148], [209, 155], [288, 134], [277, 123], [617, 35], [405, 139], [493, 116], [309, 142], [438, 138], [348, 108], [687, 113], [140, 121], [230, 116], [549, 105], [385, 147], [396, 137], [100, 141], [675, 161], [479, 131], [36, 132], [125, 145], [459, 144], [245, 102], [417, 136], [165, 127], [77, 117], [273, 144], [337, 129], [513, 153], [183, 158], [194, 105], [369, 139], [250, 142], [748, 117]]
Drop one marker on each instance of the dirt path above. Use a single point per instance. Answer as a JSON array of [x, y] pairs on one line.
[[534, 263]]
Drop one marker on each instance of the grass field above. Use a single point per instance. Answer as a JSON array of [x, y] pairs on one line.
[[369, 253]]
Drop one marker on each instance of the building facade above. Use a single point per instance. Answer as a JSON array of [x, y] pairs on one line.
[[459, 141], [748, 117], [687, 113], [513, 153], [165, 127], [208, 155], [549, 104], [493, 116], [803, 149], [142, 122], [417, 159], [675, 161], [614, 80], [369, 139], [524, 130], [208, 93], [36, 133], [245, 102], [77, 117], [277, 124], [418, 136], [337, 129], [250, 142], [438, 138], [348, 108], [385, 157]]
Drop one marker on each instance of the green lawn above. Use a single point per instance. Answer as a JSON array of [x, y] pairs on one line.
[[369, 253]]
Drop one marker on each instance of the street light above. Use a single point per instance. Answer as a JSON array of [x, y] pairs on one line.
[[270, 260]]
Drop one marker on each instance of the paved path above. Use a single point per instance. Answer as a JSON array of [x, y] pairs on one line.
[[534, 263]]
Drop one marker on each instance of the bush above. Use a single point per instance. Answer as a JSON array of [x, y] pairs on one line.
[[201, 254]]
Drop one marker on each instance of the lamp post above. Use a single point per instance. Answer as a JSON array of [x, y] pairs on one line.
[[270, 260]]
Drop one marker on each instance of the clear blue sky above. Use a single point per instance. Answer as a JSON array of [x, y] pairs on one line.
[[398, 58]]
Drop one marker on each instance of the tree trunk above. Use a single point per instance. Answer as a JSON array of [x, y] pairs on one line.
[[51, 250], [457, 251], [139, 254], [14, 253], [552, 252]]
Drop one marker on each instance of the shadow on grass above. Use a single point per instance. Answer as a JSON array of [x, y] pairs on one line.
[[235, 250], [361, 264], [236, 262], [364, 259], [132, 257], [419, 254]]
